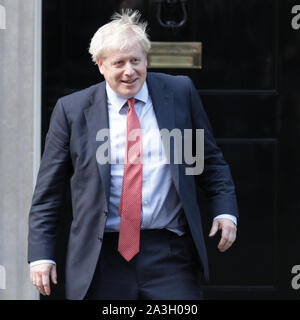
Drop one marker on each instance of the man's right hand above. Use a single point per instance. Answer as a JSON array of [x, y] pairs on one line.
[[40, 276]]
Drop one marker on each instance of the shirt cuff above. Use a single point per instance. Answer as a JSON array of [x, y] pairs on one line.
[[227, 216], [35, 263]]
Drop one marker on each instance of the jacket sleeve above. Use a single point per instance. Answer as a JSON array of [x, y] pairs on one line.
[[50, 187], [215, 180]]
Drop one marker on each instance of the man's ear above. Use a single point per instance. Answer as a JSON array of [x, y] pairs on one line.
[[100, 64]]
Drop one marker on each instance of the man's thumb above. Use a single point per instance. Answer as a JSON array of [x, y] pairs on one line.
[[214, 229]]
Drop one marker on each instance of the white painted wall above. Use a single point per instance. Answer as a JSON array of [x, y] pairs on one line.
[[20, 107]]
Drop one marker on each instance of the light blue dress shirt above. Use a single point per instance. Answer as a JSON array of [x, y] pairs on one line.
[[161, 207]]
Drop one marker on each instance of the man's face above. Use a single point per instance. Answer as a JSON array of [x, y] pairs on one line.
[[125, 70]]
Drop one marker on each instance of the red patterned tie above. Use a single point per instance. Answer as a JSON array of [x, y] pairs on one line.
[[131, 196]]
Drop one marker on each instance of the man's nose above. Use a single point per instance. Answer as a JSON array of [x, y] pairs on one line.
[[128, 70]]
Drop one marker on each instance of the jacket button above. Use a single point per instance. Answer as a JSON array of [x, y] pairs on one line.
[[100, 239], [105, 213]]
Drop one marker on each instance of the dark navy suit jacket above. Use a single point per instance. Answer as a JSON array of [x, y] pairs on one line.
[[70, 158]]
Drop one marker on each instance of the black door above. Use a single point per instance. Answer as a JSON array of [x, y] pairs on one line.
[[250, 89]]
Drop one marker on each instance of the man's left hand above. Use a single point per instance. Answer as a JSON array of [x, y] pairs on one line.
[[228, 233]]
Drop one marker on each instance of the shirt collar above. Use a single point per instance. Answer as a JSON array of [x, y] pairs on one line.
[[118, 102]]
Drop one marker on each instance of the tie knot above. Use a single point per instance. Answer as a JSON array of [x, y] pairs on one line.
[[131, 103]]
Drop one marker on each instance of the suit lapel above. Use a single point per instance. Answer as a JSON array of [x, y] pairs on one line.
[[163, 104], [97, 119]]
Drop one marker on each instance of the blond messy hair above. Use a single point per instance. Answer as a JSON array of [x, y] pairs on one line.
[[122, 32]]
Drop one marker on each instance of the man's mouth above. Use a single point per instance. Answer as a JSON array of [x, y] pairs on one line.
[[129, 81]]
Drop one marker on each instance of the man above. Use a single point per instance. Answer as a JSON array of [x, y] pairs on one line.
[[136, 231]]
